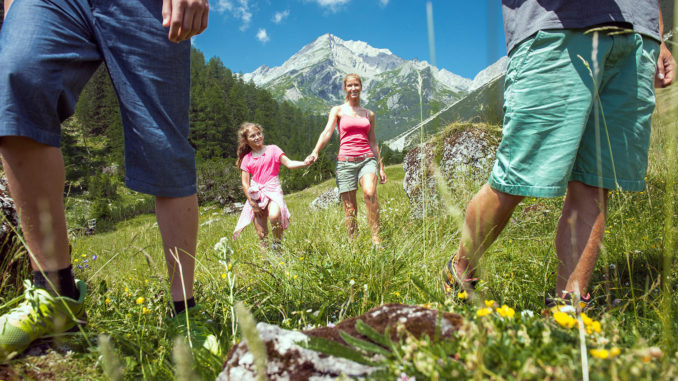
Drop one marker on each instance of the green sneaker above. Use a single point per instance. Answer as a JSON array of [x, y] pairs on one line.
[[195, 327], [41, 314]]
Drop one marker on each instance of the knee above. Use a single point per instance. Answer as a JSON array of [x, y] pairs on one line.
[[370, 195], [274, 218]]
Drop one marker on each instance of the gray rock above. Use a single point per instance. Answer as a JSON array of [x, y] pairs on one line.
[[326, 200], [466, 158]]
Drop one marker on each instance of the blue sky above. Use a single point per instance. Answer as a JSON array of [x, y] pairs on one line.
[[246, 34]]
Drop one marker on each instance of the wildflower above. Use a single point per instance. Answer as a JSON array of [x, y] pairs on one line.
[[141, 300], [107, 301], [223, 275], [83, 255], [145, 310], [75, 260], [94, 257], [301, 258], [86, 266], [484, 311], [595, 327], [396, 293], [126, 289], [85, 261], [80, 267], [615, 351], [587, 320], [564, 319], [600, 353], [295, 277], [462, 295], [351, 282], [506, 311], [230, 266], [365, 287], [489, 303]]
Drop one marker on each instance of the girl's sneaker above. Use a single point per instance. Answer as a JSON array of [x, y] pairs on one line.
[[40, 315]]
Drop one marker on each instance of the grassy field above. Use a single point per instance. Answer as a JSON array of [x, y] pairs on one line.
[[322, 277]]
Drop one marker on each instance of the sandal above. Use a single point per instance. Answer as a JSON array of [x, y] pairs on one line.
[[451, 280], [585, 301]]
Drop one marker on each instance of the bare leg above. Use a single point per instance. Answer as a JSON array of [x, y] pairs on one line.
[[350, 211], [261, 224], [275, 216], [369, 184], [579, 236], [178, 222], [36, 176], [486, 216]]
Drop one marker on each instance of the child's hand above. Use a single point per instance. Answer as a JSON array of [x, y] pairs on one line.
[[310, 159]]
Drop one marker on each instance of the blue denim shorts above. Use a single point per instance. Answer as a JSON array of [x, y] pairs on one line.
[[50, 49], [557, 130]]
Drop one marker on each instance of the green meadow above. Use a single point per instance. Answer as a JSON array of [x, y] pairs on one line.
[[322, 277]]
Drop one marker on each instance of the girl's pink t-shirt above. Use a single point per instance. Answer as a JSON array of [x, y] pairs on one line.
[[264, 167]]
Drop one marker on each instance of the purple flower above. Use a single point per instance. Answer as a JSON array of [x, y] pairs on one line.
[[94, 257], [86, 266], [85, 261], [80, 267]]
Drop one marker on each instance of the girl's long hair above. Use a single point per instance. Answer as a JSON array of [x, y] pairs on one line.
[[351, 75], [243, 147]]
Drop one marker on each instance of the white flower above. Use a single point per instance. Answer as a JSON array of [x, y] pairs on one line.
[[352, 282], [526, 313], [365, 287]]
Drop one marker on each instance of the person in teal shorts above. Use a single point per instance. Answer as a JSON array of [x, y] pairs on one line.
[[578, 100]]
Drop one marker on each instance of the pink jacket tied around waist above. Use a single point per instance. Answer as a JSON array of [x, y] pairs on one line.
[[262, 194]]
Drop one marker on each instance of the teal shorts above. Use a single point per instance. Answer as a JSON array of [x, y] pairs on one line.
[[555, 128], [349, 173]]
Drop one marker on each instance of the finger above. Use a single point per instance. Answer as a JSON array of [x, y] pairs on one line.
[[166, 12], [187, 22], [176, 20], [205, 16]]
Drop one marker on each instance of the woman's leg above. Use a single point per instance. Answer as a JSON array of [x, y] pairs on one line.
[[275, 216], [369, 184], [350, 211], [261, 224]]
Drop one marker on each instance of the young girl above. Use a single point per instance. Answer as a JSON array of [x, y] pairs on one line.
[[264, 193]]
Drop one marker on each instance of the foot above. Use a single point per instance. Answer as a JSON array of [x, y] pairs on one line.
[[193, 325], [585, 301], [452, 281], [40, 315]]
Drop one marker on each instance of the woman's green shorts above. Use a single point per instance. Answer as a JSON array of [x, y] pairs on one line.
[[349, 173], [557, 130]]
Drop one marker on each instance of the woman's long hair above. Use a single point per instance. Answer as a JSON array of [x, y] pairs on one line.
[[351, 75], [243, 147]]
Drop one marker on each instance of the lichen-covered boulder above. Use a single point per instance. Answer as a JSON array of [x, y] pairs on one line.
[[460, 157], [288, 359], [326, 200]]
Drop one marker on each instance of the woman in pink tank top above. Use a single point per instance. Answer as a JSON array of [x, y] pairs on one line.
[[358, 161]]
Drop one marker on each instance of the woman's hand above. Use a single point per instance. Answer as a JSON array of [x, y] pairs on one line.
[[310, 159], [382, 175], [255, 208]]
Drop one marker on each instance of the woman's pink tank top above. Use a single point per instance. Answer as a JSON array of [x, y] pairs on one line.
[[353, 140]]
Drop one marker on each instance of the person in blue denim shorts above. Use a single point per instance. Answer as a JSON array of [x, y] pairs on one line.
[[578, 100], [48, 51]]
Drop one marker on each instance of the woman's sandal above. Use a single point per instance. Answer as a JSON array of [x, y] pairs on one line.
[[451, 280]]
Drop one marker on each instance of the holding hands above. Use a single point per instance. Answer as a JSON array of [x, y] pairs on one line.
[[310, 159]]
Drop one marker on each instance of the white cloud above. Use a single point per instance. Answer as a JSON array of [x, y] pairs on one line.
[[239, 9], [262, 36], [383, 3], [332, 5], [278, 17]]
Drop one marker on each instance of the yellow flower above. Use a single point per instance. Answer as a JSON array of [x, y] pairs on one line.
[[600, 353], [126, 289], [506, 311], [484, 311], [141, 300], [564, 319], [223, 275], [230, 266], [489, 303], [295, 277], [396, 293], [145, 310], [83, 255], [107, 301], [301, 258], [595, 327], [462, 295], [587, 320], [75, 260], [615, 351]]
